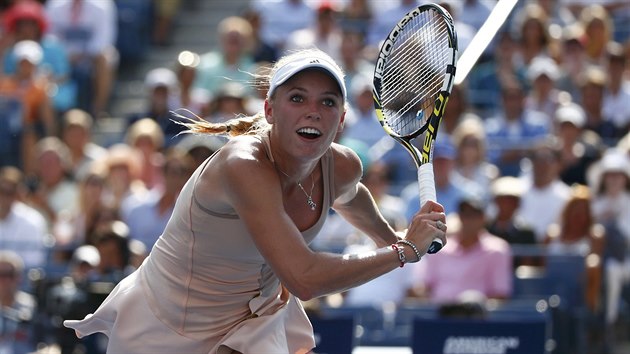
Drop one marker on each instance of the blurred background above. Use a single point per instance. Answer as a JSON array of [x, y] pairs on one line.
[[532, 163]]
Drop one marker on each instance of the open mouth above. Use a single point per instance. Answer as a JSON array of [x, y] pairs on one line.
[[309, 133]]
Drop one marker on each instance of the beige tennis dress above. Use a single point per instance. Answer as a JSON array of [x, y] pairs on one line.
[[205, 288]]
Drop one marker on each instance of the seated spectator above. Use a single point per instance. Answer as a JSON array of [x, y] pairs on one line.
[[123, 186], [146, 137], [616, 104], [25, 108], [580, 147], [472, 260], [513, 132], [54, 190], [231, 60], [18, 310], [23, 228], [88, 31], [576, 232], [609, 179], [324, 34], [592, 84], [193, 99], [229, 102], [469, 138], [162, 99], [545, 194], [506, 193], [278, 19], [544, 95], [148, 219], [26, 20], [77, 135], [112, 243]]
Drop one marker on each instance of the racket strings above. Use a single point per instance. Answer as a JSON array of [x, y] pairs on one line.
[[415, 73]]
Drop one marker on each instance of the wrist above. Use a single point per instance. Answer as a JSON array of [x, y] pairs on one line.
[[414, 254]]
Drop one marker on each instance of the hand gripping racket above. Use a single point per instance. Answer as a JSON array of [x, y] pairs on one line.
[[413, 78]]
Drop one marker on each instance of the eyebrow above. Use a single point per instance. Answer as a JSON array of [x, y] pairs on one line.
[[302, 89]]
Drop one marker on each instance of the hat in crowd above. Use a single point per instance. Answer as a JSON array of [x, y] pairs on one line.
[[193, 141], [613, 160], [160, 77], [507, 186], [26, 10], [571, 113], [28, 50], [444, 149], [86, 254], [474, 200], [307, 60], [543, 66]]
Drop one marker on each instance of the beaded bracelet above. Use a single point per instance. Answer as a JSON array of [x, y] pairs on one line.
[[401, 254], [413, 247]]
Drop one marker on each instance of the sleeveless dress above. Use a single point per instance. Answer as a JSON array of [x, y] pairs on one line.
[[205, 288]]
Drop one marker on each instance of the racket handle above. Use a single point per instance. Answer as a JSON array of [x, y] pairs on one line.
[[426, 183]]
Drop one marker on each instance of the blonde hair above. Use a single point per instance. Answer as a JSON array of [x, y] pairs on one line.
[[248, 125], [145, 127]]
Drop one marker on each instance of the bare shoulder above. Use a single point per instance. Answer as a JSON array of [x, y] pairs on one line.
[[238, 166], [348, 168]]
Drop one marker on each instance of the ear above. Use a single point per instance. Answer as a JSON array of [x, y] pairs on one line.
[[268, 112], [341, 122]]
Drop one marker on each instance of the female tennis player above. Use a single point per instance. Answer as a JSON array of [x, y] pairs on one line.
[[226, 274]]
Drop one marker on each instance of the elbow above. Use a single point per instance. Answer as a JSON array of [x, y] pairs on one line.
[[302, 292]]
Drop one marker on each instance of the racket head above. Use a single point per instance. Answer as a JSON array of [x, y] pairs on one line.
[[414, 72]]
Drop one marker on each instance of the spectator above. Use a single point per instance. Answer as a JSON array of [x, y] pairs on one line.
[[199, 148], [580, 148], [26, 109], [598, 32], [545, 194], [88, 30], [162, 99], [124, 188], [609, 179], [22, 229], [26, 20], [17, 308], [232, 60], [507, 193], [77, 135], [230, 101], [473, 260], [390, 14], [262, 51], [469, 138], [74, 229], [164, 15], [145, 136], [325, 33], [112, 243], [193, 99], [544, 96], [281, 18], [353, 58], [54, 190], [576, 232], [356, 17], [532, 31], [616, 106], [514, 130], [572, 59], [361, 122], [592, 85], [148, 219]]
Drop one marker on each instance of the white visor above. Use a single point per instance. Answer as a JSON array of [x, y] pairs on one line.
[[287, 71]]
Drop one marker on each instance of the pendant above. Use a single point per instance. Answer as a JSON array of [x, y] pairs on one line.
[[311, 203]]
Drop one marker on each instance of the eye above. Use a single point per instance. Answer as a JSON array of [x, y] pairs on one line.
[[329, 102], [297, 98]]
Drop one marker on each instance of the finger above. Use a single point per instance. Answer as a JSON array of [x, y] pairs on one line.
[[440, 225], [431, 207]]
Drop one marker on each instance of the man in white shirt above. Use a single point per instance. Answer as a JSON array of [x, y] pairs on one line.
[[545, 194], [22, 228]]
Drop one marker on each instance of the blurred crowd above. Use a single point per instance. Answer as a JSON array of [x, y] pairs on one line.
[[534, 148]]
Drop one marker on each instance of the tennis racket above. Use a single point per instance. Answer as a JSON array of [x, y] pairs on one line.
[[413, 78]]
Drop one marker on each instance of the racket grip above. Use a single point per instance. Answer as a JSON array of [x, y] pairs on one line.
[[426, 183]]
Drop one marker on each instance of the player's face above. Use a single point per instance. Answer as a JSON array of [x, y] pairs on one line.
[[307, 111]]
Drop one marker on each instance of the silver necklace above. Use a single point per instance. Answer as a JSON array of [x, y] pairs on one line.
[[309, 197]]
